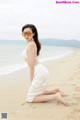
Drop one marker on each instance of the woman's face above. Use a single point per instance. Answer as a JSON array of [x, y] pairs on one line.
[[28, 34]]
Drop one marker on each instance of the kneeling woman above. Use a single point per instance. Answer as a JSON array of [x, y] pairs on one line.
[[38, 73]]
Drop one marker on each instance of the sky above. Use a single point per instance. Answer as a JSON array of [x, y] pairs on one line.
[[57, 21]]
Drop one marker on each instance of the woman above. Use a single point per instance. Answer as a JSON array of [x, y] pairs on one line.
[[38, 73]]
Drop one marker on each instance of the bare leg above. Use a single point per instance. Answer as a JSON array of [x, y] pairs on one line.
[[48, 92], [44, 98]]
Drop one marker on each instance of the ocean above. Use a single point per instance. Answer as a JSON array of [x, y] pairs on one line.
[[11, 59]]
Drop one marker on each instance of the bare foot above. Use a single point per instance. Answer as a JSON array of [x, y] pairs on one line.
[[58, 90], [62, 94], [62, 100]]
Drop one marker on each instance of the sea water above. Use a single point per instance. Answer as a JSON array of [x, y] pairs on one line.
[[11, 59]]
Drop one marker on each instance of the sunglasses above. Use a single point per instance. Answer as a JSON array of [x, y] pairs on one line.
[[27, 33]]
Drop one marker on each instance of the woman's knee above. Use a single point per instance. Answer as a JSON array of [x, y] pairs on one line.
[[29, 99]]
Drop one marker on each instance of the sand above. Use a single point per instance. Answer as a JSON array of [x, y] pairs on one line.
[[63, 73]]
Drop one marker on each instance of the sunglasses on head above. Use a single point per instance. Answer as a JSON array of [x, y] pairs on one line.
[[27, 33]]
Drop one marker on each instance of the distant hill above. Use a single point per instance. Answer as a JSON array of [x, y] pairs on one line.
[[48, 41], [59, 42]]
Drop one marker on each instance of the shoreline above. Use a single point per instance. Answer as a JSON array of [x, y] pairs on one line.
[[42, 60]]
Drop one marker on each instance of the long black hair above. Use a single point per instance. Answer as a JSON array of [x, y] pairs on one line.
[[34, 30]]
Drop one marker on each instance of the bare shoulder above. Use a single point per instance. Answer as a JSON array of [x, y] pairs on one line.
[[32, 48], [31, 45]]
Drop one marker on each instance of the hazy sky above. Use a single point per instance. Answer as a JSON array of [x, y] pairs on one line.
[[60, 21]]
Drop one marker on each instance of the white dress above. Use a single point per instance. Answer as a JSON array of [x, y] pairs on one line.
[[39, 82]]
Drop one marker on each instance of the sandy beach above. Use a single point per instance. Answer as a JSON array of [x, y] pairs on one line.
[[63, 74]]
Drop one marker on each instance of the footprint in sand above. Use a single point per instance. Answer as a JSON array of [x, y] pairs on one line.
[[76, 98], [71, 78], [74, 115], [71, 117], [73, 84], [77, 89], [12, 113], [24, 103]]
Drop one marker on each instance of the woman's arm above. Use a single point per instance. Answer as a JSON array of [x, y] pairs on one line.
[[31, 59]]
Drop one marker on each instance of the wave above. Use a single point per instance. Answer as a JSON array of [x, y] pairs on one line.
[[6, 69]]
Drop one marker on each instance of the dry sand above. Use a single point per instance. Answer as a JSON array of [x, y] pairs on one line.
[[63, 74]]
